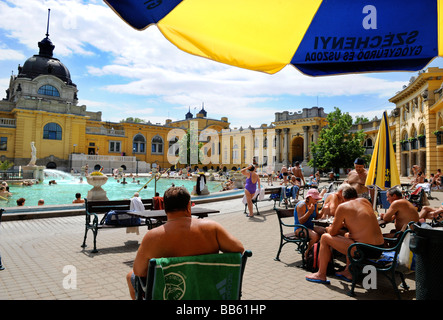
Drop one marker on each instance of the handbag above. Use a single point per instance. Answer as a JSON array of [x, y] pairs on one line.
[[120, 218]]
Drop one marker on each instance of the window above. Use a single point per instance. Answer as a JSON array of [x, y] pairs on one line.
[[52, 131], [138, 144], [368, 144], [3, 143], [174, 147], [115, 146], [48, 90], [157, 145]]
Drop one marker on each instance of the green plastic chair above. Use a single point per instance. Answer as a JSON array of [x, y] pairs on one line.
[[201, 277]]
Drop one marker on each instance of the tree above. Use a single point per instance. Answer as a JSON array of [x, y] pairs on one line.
[[5, 165], [134, 120], [337, 147], [361, 118], [190, 143]]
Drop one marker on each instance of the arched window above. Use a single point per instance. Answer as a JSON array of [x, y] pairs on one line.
[[139, 144], [368, 144], [48, 90], [52, 131], [157, 145]]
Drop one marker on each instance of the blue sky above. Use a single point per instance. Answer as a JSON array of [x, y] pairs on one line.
[[128, 73]]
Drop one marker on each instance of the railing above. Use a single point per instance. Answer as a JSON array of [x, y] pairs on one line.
[[105, 131], [10, 175], [98, 158], [7, 122]]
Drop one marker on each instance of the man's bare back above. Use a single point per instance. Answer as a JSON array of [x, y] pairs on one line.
[[184, 236], [402, 211], [358, 217]]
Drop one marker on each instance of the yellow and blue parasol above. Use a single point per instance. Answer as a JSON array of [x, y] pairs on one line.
[[318, 37], [383, 171]]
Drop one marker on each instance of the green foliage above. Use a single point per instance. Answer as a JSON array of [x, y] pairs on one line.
[[337, 147], [359, 119], [5, 165], [134, 120], [188, 142]]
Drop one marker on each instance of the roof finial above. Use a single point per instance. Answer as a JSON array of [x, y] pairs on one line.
[[47, 25]]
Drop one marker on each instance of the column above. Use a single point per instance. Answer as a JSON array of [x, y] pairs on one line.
[[286, 147], [278, 143], [306, 143], [315, 129]]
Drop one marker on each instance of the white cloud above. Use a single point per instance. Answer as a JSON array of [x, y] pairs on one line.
[[9, 54]]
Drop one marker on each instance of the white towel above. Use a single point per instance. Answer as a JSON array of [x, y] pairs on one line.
[[260, 193], [138, 206]]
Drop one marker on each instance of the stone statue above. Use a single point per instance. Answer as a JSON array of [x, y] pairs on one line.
[[33, 155]]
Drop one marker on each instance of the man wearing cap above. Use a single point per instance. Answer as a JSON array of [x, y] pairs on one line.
[[357, 179]]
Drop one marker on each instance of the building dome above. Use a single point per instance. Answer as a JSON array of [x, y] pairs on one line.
[[45, 64], [189, 114], [203, 111]]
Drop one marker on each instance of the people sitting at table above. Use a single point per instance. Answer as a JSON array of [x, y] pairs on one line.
[[333, 200], [428, 212], [305, 211], [357, 215], [401, 211], [180, 236]]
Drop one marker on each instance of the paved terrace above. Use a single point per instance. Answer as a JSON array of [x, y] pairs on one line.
[[35, 253]]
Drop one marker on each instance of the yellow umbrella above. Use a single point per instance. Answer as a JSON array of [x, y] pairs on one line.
[[318, 37], [383, 171]]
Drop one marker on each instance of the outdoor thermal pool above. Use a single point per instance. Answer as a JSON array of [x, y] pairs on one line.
[[68, 185]]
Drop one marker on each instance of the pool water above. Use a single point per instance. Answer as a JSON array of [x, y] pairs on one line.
[[67, 186]]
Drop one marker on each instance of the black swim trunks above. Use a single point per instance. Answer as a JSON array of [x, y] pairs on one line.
[[371, 253]]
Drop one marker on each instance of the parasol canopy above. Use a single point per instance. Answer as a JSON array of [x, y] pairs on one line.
[[383, 171], [318, 37]]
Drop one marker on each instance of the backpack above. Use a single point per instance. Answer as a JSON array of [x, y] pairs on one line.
[[312, 260], [120, 218]]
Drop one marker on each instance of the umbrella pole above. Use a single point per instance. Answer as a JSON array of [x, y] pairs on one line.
[[374, 204]]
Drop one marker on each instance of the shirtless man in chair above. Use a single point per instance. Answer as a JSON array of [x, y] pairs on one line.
[[356, 215], [400, 210], [180, 236]]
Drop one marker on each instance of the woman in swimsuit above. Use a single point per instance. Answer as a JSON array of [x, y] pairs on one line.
[[250, 186], [305, 211]]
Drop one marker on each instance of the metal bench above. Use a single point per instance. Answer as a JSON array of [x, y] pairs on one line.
[[94, 207]]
